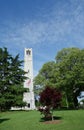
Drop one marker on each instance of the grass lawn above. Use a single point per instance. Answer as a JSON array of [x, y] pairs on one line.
[[31, 120]]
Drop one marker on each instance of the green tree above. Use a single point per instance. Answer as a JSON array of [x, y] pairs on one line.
[[46, 76], [67, 74], [70, 62], [11, 79]]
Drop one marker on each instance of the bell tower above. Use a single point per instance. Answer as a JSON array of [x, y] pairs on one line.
[[28, 67]]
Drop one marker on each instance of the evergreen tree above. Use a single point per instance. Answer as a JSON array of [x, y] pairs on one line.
[[11, 80]]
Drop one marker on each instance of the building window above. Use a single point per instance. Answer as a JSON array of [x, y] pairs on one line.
[[28, 105], [28, 71], [28, 52]]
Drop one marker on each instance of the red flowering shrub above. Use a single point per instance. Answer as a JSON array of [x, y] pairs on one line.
[[50, 98]]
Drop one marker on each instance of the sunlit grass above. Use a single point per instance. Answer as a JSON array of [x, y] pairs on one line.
[[31, 120]]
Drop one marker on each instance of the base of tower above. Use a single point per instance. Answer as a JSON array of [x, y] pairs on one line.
[[21, 108]]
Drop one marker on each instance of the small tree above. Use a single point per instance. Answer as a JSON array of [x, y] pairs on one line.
[[50, 98]]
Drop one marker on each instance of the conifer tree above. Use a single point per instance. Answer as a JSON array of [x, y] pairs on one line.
[[11, 80]]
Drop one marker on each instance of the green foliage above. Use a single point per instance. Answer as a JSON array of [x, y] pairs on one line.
[[11, 79], [67, 74], [70, 63], [46, 75]]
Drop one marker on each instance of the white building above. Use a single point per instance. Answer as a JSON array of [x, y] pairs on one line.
[[81, 97], [28, 67]]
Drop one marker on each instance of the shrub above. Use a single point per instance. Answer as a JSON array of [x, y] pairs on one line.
[[50, 98]]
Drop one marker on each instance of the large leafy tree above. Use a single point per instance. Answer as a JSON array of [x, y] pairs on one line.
[[46, 75], [44, 78], [11, 79], [67, 74], [70, 64]]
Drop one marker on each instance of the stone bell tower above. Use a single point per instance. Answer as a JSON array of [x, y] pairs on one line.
[[28, 67]]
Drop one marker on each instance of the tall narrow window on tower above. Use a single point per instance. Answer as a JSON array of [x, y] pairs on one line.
[[28, 52]]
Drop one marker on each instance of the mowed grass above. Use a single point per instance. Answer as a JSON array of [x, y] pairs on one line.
[[31, 120]]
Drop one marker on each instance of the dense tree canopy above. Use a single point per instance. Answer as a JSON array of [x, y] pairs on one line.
[[67, 74], [45, 76], [50, 97], [11, 79], [70, 63]]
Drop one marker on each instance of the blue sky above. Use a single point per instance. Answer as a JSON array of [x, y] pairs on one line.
[[46, 26]]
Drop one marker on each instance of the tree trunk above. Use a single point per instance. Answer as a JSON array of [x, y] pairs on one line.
[[67, 104], [52, 114]]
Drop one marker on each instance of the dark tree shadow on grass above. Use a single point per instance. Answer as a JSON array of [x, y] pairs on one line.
[[4, 119], [43, 119]]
